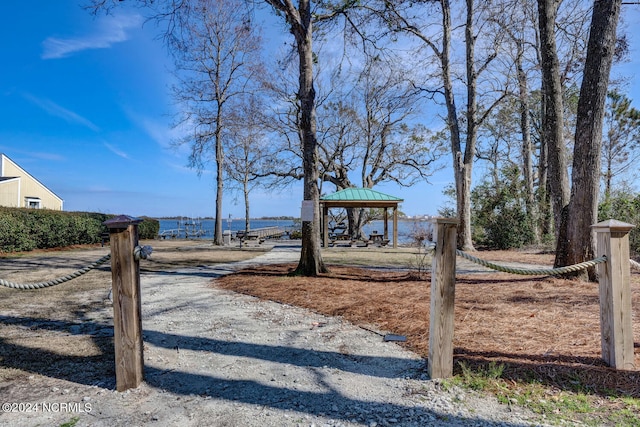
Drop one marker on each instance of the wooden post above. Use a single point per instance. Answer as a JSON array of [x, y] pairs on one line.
[[325, 226], [127, 318], [395, 227], [385, 230], [616, 328], [443, 286]]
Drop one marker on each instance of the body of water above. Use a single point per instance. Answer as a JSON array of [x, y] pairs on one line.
[[205, 227]]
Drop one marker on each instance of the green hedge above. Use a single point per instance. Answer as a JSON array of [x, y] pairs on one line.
[[148, 228], [28, 229]]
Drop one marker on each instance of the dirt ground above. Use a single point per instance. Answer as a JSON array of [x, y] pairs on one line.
[[539, 327]]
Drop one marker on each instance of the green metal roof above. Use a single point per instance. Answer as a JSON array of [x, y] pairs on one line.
[[360, 195]]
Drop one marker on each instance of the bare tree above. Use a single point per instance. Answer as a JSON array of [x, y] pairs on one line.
[[300, 21], [216, 50], [216, 55], [371, 134], [246, 152], [516, 20], [481, 49], [522, 58]]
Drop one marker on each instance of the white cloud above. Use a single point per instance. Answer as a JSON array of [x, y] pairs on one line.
[[111, 29], [48, 156], [115, 150], [166, 136], [95, 189], [54, 157], [58, 111], [159, 131]]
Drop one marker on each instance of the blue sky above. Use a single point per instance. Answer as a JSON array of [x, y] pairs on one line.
[[85, 108]]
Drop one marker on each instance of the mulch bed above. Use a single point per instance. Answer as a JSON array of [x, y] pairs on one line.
[[540, 328]]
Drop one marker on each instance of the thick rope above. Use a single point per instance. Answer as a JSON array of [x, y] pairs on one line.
[[142, 252], [57, 281], [634, 264], [533, 272]]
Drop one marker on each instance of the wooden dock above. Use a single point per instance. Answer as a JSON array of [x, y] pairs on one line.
[[275, 232], [264, 233]]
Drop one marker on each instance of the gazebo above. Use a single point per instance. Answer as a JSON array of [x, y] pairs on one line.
[[361, 198]]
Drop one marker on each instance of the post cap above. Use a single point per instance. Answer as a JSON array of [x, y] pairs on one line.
[[443, 220], [122, 221], [612, 225]]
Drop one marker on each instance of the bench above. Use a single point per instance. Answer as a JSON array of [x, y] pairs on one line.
[[360, 243], [105, 238]]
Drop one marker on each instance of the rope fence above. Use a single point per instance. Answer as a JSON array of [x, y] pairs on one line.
[[57, 281], [431, 246], [533, 271], [139, 252]]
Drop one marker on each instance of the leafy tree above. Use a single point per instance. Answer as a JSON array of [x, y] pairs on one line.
[[623, 204], [620, 145], [500, 219]]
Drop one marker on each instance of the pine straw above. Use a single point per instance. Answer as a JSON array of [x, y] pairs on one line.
[[542, 329]]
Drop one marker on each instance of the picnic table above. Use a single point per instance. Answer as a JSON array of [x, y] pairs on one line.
[[378, 239]]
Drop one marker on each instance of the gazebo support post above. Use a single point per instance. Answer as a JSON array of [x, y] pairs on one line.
[[395, 227], [386, 223], [325, 225]]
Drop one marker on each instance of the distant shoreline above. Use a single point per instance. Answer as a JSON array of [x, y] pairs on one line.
[[263, 218], [211, 218]]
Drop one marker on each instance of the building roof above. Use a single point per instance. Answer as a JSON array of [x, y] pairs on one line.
[[359, 195]]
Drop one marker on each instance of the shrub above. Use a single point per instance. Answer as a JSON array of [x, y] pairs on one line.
[[499, 218], [623, 205], [27, 229], [14, 235], [148, 228], [53, 229]]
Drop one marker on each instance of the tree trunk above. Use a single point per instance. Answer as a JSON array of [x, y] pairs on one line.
[[217, 233], [583, 208], [527, 146], [552, 123], [465, 241], [607, 182], [247, 213], [543, 200], [311, 263], [454, 127]]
